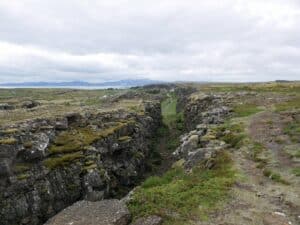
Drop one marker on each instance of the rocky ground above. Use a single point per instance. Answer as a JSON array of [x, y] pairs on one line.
[[222, 154]]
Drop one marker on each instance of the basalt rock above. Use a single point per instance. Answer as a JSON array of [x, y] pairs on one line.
[[107, 212], [205, 109], [150, 220], [202, 113], [30, 104], [48, 164], [6, 106]]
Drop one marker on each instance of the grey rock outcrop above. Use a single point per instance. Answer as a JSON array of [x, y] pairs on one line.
[[6, 106], [199, 146], [48, 164], [202, 113], [30, 104], [205, 109], [106, 212], [150, 220]]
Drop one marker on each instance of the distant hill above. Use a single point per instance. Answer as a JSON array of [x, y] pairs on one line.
[[119, 83]]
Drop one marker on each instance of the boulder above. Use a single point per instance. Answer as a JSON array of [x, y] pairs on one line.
[[30, 104], [61, 124], [275, 218], [6, 106], [150, 220], [106, 212]]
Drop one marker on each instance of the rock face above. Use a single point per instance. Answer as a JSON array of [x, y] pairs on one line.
[[150, 220], [30, 104], [47, 165], [207, 109], [199, 146], [6, 106], [202, 113], [106, 212]]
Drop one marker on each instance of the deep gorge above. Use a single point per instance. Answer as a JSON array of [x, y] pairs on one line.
[[53, 163]]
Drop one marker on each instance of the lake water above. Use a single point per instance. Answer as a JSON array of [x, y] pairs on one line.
[[66, 87]]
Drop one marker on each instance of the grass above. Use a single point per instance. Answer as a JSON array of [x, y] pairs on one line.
[[21, 167], [64, 160], [293, 87], [231, 133], [8, 141], [125, 139], [178, 196], [293, 131], [168, 107], [296, 171], [292, 104], [54, 102], [10, 131], [77, 139], [23, 176], [244, 110], [275, 176], [28, 144]]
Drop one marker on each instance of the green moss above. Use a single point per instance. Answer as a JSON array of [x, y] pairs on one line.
[[138, 155], [28, 144], [90, 167], [10, 131], [231, 133], [168, 108], [63, 160], [72, 187], [21, 167], [125, 139], [274, 176], [8, 141], [187, 195], [296, 171], [257, 149], [23, 176], [293, 130], [89, 162], [244, 110], [77, 139], [292, 104]]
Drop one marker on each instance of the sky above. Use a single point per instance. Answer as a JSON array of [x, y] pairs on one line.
[[170, 40]]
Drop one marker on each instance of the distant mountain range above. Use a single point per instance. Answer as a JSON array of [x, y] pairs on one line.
[[119, 83]]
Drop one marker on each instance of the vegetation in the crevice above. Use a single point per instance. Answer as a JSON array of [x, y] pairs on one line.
[[63, 160], [77, 139], [8, 141], [178, 196]]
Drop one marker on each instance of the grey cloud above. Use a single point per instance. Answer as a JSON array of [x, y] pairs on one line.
[[230, 40]]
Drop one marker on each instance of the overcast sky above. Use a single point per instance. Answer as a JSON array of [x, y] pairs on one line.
[[90, 40]]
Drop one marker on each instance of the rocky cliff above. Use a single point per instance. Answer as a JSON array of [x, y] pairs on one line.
[[48, 164], [204, 109]]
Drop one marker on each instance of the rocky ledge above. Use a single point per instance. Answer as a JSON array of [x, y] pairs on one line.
[[48, 164], [202, 114], [106, 212]]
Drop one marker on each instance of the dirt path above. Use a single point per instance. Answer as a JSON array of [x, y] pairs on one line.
[[267, 129], [256, 199]]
